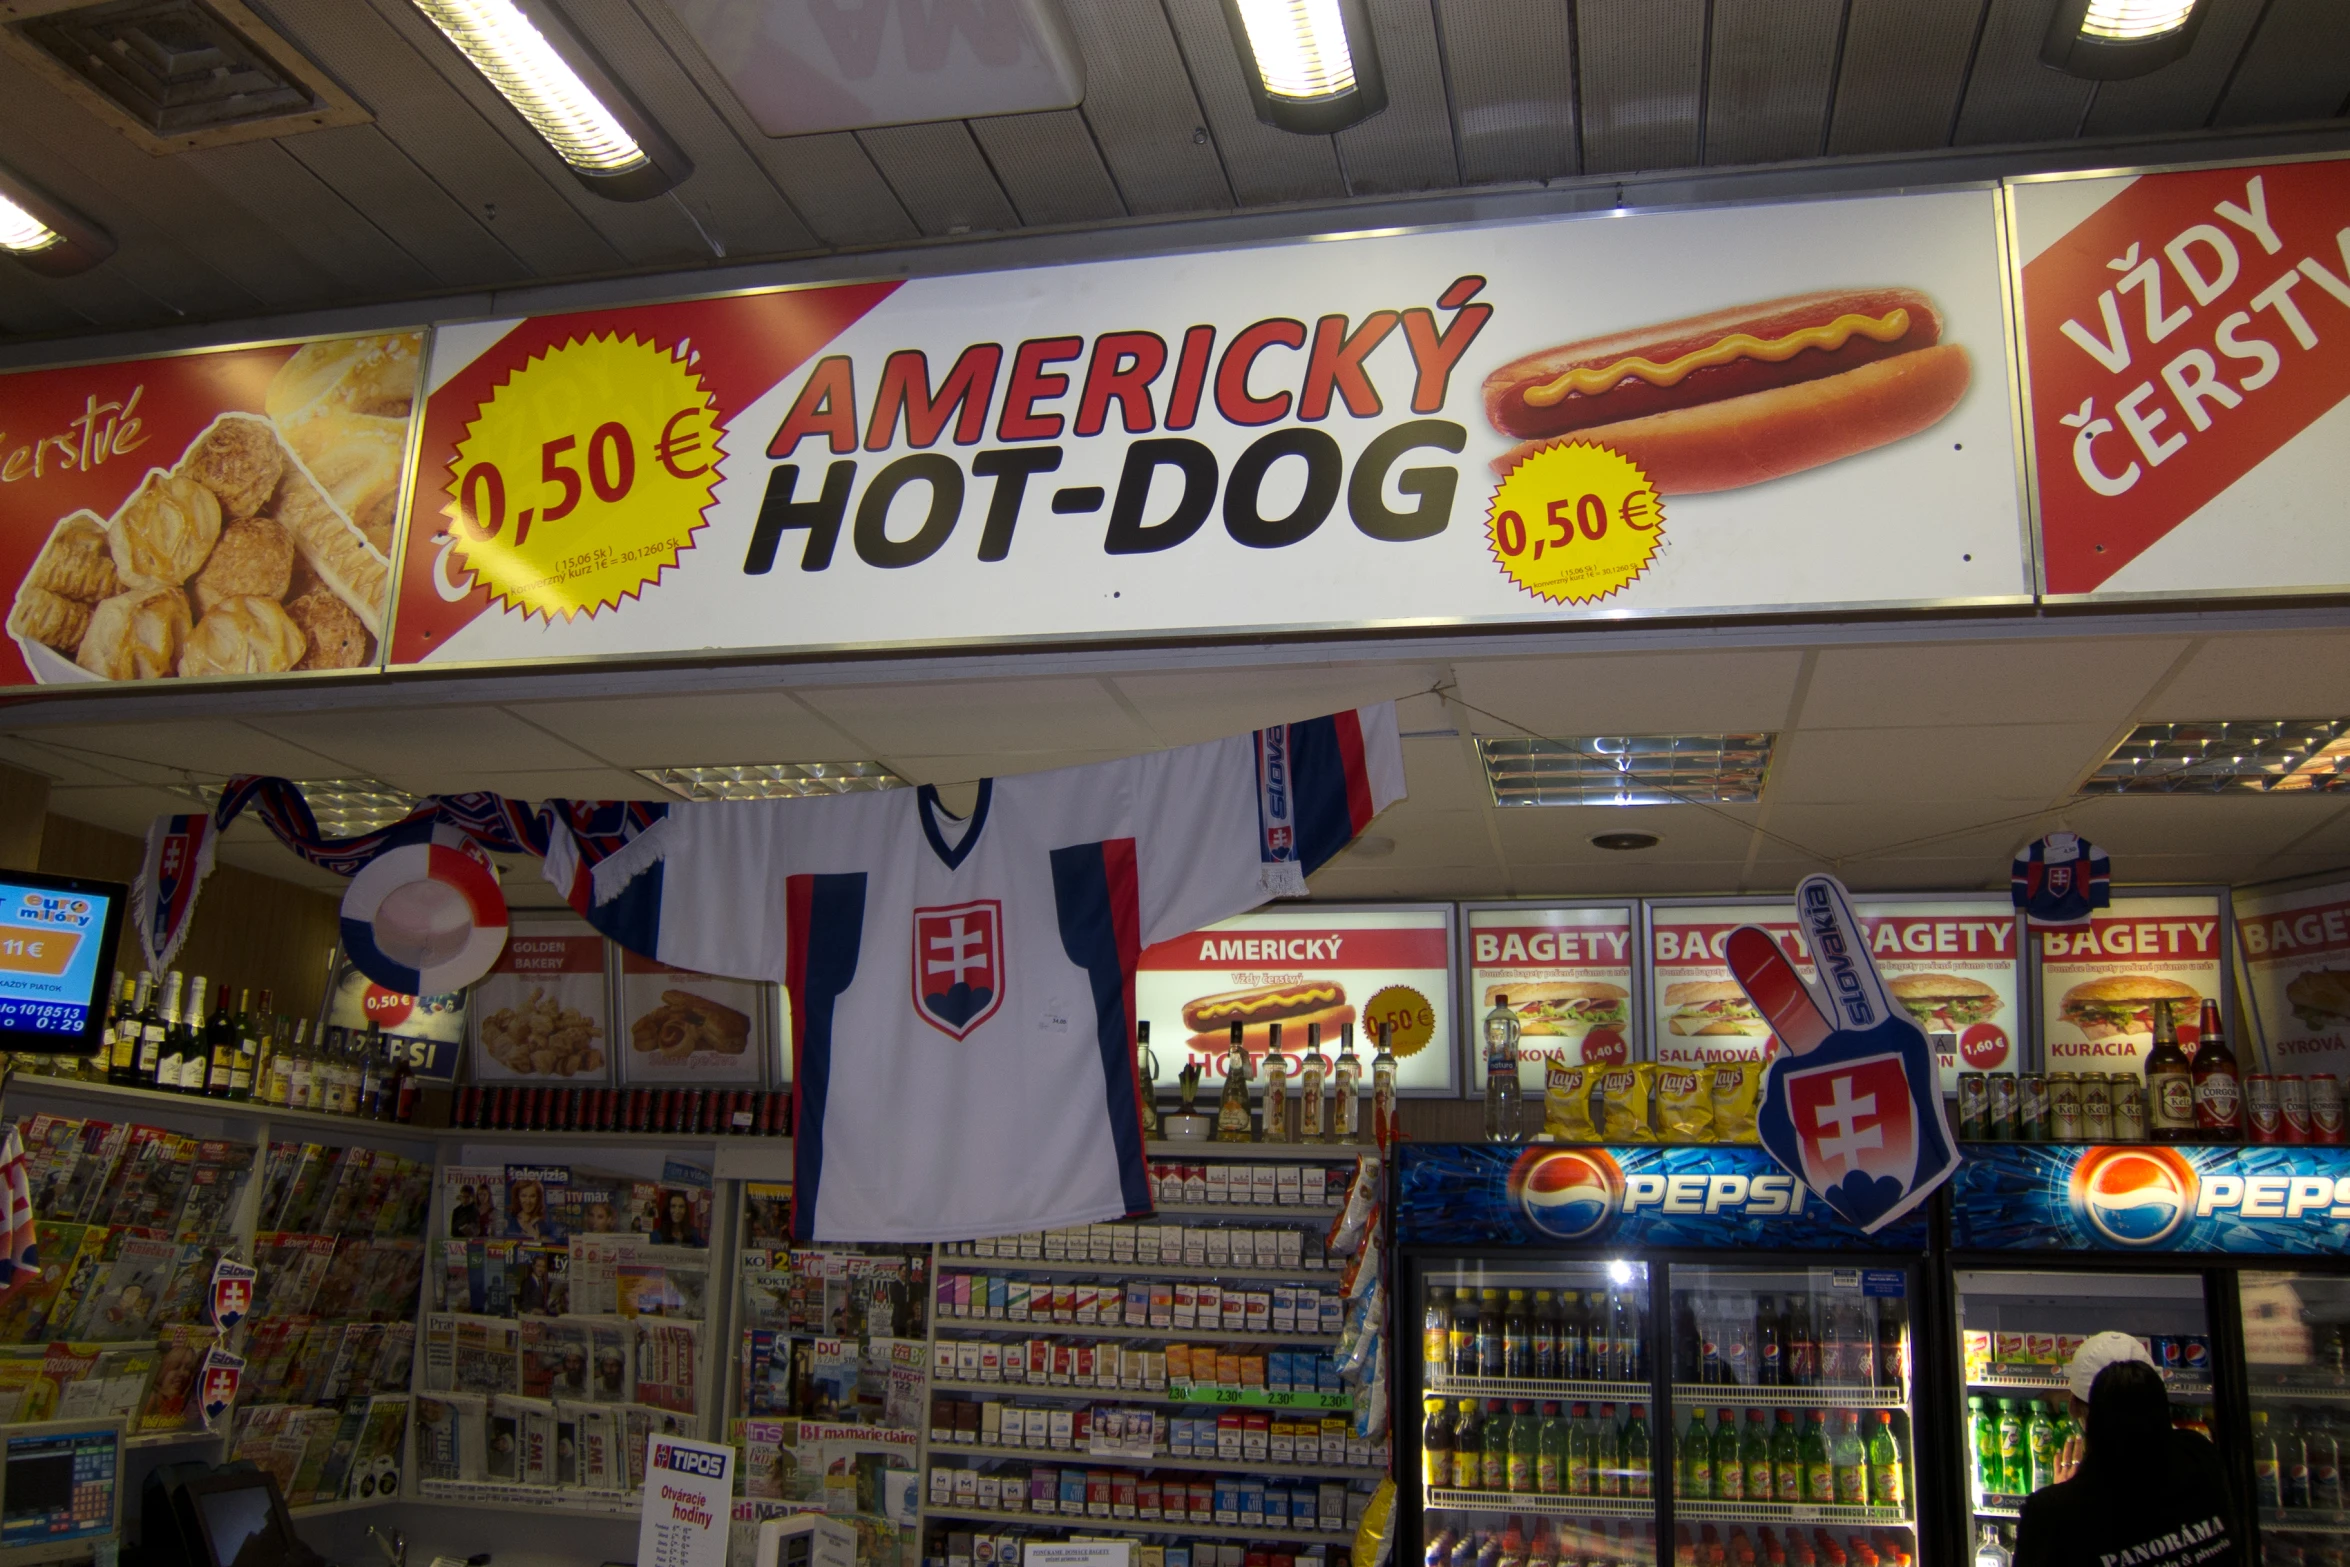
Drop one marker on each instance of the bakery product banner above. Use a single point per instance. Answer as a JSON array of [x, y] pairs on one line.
[[225, 513], [2296, 952], [1762, 407], [2186, 345], [1565, 973], [2100, 983], [1323, 971]]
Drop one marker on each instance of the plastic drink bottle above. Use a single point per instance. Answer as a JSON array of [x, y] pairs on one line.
[[1819, 1475], [1638, 1471], [1550, 1459], [2015, 1475], [1849, 1458], [1787, 1459], [1729, 1464], [1525, 1445], [2040, 1445], [1754, 1454], [1697, 1460], [2268, 1476], [1886, 1484]]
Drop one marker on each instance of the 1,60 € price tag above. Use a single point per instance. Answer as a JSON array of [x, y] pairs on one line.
[[584, 476], [1575, 523]]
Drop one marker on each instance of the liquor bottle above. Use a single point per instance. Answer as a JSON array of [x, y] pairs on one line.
[[1383, 1126], [1580, 1480], [374, 1073], [252, 1031], [1525, 1447], [2170, 1083], [220, 1044], [302, 1087], [175, 1031], [155, 1020], [1729, 1462], [1346, 1089], [1146, 1079], [1493, 1459], [1696, 1470], [1503, 1123], [1550, 1463], [1436, 1445], [122, 1068], [1848, 1461], [1754, 1454], [1313, 1074], [2219, 1101], [1276, 1088], [1233, 1124], [1638, 1475], [1887, 1485], [1468, 1436]]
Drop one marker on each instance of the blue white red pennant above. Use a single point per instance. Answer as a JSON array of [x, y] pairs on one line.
[[1851, 1104], [163, 899]]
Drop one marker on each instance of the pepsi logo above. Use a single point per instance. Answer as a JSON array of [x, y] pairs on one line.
[[1569, 1194], [2133, 1196]]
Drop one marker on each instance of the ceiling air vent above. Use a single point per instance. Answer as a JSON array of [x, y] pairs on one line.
[[177, 74]]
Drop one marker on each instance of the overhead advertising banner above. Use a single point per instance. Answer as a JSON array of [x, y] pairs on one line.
[[1567, 973], [225, 513], [1300, 964], [2135, 1197], [2186, 344], [2100, 982], [2296, 952], [1723, 1196], [1760, 408], [1953, 964]]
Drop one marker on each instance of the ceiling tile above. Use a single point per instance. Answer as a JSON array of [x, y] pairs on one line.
[[268, 857], [1631, 693], [1562, 834], [2032, 762], [1440, 776], [1640, 76], [1770, 79], [1908, 829], [1510, 65], [361, 163], [1407, 145], [2331, 837], [352, 247], [207, 748], [1144, 115], [1985, 682], [370, 743], [2182, 95], [695, 731], [2295, 68], [1623, 875], [128, 809], [938, 173], [1049, 166], [2300, 674], [583, 783], [65, 764], [2010, 95], [937, 720], [2128, 825], [1905, 64], [1866, 876], [1182, 709], [1422, 837], [1335, 882], [944, 770]]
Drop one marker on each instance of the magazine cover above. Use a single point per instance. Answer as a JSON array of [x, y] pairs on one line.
[[610, 1365], [502, 1448], [325, 1482], [555, 1359], [451, 1433], [595, 1275], [375, 1465], [668, 1359], [490, 1269], [664, 1282], [488, 1355], [542, 1287], [767, 1213], [530, 1216], [768, 1465], [601, 1467], [124, 1304], [473, 1201], [170, 1404], [593, 1202]]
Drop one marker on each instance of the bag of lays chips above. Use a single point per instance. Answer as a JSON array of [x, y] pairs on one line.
[[1735, 1085], [1566, 1104], [1684, 1104], [1623, 1102]]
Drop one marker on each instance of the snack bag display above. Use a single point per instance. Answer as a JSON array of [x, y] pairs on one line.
[[1623, 1100], [1566, 1105], [1684, 1104], [1734, 1085]]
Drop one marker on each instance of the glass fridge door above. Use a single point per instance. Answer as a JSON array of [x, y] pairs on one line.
[[1537, 1446], [2017, 1330], [2296, 1328], [1790, 1434]]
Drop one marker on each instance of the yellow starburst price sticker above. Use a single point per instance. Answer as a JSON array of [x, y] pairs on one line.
[[584, 476], [1413, 1019], [1574, 523]]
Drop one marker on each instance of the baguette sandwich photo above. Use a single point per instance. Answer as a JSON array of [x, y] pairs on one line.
[[1561, 1006], [2124, 1004], [1712, 1006]]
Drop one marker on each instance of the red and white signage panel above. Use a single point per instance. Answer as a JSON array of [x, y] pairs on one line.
[[2187, 355], [1568, 976], [2296, 951]]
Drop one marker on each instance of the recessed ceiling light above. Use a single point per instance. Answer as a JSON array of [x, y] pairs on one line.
[[557, 84], [1624, 840], [2108, 40], [1627, 769], [773, 780], [342, 807], [1310, 64], [2231, 756]]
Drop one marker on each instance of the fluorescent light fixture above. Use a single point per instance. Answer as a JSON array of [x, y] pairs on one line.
[[2108, 40], [2268, 756], [773, 780], [343, 807], [44, 234], [23, 233], [1310, 64], [557, 84], [1627, 769]]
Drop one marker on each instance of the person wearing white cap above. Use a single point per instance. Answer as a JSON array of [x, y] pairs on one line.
[[2135, 1489]]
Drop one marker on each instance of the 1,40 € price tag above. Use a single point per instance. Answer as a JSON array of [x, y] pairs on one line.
[[1575, 523], [584, 476]]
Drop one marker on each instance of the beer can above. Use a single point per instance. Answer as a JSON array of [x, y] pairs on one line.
[[2096, 1108], [2064, 1107], [468, 1105], [2031, 1115], [2195, 1352], [2263, 1118], [1974, 1107], [2129, 1107], [2325, 1109], [2000, 1118], [2293, 1107]]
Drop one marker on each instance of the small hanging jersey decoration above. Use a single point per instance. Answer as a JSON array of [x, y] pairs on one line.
[[18, 1260], [2060, 880]]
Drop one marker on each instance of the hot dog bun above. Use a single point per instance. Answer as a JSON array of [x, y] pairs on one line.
[[1257, 1038], [1706, 359], [1768, 435], [1263, 1004]]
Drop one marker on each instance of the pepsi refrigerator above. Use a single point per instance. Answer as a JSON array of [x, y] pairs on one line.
[[1654, 1354], [2231, 1263]]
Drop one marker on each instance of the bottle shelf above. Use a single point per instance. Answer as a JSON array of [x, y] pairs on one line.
[[1791, 1512], [949, 1325], [1242, 1466], [2305, 1520], [1533, 1388], [2330, 1393], [1179, 1393], [1994, 1510], [1548, 1506], [1092, 1524], [1726, 1395], [2053, 1382], [1303, 1273]]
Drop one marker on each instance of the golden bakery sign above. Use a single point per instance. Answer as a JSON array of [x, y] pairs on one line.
[[225, 513]]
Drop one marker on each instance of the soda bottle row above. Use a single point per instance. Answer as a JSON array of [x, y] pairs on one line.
[[1840, 1457], [1790, 1547], [1528, 1449], [1592, 1543], [1538, 1335], [2015, 1442], [2297, 1459], [1791, 1340]]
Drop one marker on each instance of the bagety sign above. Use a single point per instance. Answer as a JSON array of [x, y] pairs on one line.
[[2187, 353], [2138, 1197]]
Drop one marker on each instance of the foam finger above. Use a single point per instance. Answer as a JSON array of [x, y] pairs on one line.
[[1776, 990]]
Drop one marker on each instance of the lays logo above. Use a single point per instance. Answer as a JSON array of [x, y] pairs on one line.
[[1569, 1193], [2133, 1196]]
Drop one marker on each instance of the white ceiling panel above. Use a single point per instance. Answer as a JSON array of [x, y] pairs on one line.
[[2331, 836], [375, 744], [1185, 708], [2169, 824], [581, 783], [968, 769], [1335, 883], [2303, 674], [1421, 837], [1976, 762], [1895, 828], [66, 765], [1441, 776], [1904, 66], [939, 174], [1608, 878], [207, 749], [938, 720], [1143, 112], [1263, 164], [1985, 682], [1557, 834], [694, 731], [267, 857], [1632, 693], [127, 809]]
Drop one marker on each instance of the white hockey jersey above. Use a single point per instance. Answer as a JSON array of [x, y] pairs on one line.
[[962, 991]]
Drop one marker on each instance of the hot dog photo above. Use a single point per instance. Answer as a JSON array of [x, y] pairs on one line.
[[1256, 1010]]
